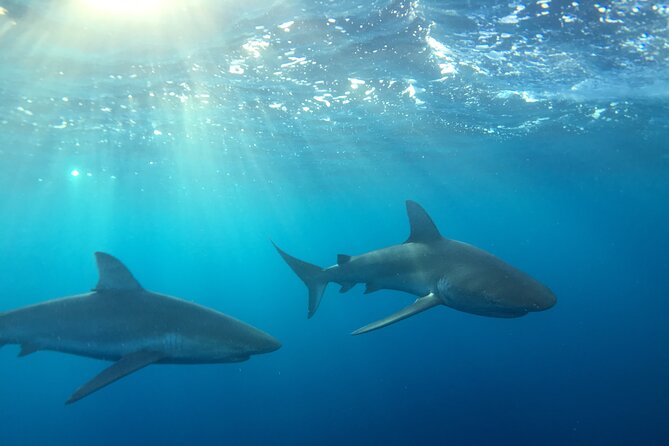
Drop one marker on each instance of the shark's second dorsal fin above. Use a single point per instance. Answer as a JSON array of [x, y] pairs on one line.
[[114, 275], [423, 228]]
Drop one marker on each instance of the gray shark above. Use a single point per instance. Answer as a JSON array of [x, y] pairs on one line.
[[437, 270], [122, 322]]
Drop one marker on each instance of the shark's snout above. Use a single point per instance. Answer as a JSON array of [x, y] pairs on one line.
[[543, 300], [267, 343], [273, 345]]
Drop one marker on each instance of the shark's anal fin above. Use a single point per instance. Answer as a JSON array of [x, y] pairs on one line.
[[420, 305], [27, 349], [124, 366], [346, 286], [423, 229], [114, 275], [371, 287]]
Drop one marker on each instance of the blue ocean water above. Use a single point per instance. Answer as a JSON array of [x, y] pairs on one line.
[[184, 137]]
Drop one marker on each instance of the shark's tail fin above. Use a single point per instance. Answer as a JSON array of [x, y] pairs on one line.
[[313, 277]]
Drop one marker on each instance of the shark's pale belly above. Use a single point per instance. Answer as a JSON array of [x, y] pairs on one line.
[[113, 349], [111, 337], [482, 304], [178, 348]]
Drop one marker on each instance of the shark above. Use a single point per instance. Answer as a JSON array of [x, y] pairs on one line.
[[438, 270], [120, 321]]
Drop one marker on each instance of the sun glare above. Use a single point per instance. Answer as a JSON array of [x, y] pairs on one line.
[[125, 7]]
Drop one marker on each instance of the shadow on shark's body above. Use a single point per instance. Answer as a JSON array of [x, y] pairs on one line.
[[437, 270], [122, 322]]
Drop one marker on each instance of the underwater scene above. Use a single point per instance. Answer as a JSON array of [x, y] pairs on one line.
[[424, 222]]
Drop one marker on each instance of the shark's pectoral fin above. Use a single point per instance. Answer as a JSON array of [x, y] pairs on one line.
[[124, 366], [421, 304], [27, 349]]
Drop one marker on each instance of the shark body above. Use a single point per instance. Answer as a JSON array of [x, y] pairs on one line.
[[438, 270], [122, 322]]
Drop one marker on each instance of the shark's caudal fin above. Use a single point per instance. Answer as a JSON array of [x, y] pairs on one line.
[[114, 275], [420, 305], [312, 276]]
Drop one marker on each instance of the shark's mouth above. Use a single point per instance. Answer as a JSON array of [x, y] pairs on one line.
[[489, 306], [501, 312], [509, 313]]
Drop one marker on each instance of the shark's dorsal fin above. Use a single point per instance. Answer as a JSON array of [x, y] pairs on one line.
[[423, 229], [343, 258], [114, 275]]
